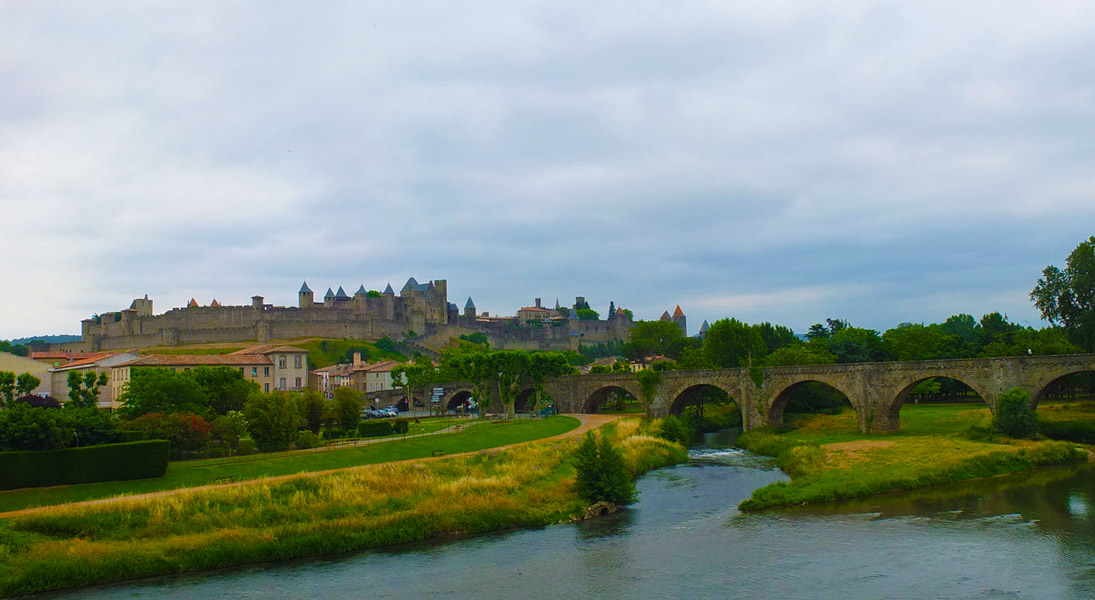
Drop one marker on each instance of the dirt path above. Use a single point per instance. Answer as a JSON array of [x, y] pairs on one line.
[[588, 422]]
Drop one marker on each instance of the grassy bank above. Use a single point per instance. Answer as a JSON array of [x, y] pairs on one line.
[[367, 507], [196, 473], [828, 459]]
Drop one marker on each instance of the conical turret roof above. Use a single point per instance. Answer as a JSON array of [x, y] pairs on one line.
[[678, 312], [304, 289], [329, 294], [388, 291], [341, 294], [665, 316], [361, 290], [704, 327], [469, 303]]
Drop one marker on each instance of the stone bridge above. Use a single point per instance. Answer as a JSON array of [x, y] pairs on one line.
[[876, 390]]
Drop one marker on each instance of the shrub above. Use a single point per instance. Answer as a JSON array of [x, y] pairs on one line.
[[272, 418], [187, 432], [602, 474], [676, 430], [1013, 417], [306, 440], [348, 407], [108, 462], [41, 401], [26, 427], [1073, 431], [227, 431], [401, 426], [374, 428], [247, 446]]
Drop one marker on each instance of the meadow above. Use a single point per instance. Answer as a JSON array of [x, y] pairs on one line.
[[828, 459], [308, 515], [478, 436]]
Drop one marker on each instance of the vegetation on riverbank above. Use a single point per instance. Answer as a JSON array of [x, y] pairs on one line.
[[828, 459], [309, 515], [204, 472]]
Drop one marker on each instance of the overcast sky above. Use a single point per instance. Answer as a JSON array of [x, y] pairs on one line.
[[770, 161]]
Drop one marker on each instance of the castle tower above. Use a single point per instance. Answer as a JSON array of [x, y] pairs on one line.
[[329, 298], [665, 316], [305, 297], [469, 309], [703, 330], [680, 320]]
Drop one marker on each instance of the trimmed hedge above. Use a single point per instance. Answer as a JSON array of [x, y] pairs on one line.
[[107, 462], [374, 428]]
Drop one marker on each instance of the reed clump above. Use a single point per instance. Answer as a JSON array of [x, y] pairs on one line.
[[309, 515]]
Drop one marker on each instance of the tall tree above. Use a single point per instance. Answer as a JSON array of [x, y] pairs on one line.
[[775, 336], [513, 366], [541, 366], [161, 390], [477, 368], [7, 387], [731, 343], [25, 384], [348, 406], [855, 344], [412, 376], [83, 390], [1067, 297]]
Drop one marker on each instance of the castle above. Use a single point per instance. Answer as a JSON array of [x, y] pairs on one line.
[[420, 312]]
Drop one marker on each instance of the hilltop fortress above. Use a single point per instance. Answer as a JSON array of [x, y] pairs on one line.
[[420, 314]]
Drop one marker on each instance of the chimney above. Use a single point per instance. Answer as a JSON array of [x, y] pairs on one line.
[[357, 358]]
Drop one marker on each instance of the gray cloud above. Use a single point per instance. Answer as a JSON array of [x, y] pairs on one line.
[[785, 162]]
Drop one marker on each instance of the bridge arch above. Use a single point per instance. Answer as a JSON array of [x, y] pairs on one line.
[[780, 399], [1038, 393], [523, 399], [906, 386], [458, 399], [693, 395], [599, 397]]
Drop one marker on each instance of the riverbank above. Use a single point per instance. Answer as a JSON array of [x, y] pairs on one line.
[[306, 515], [828, 459]]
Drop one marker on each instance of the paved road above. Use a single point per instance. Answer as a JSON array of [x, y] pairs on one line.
[[588, 422]]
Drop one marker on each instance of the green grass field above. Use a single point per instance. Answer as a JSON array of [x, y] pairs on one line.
[[828, 459], [190, 474]]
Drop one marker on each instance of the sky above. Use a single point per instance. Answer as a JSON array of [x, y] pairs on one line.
[[774, 161]]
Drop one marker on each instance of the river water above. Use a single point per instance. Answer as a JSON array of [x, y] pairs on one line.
[[1026, 537]]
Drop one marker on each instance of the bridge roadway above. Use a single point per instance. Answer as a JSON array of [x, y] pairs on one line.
[[875, 390]]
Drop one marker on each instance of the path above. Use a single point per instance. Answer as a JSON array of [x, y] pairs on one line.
[[588, 422]]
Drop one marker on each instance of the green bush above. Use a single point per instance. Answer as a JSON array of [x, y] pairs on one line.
[[1081, 432], [1013, 417], [247, 446], [602, 474], [401, 426], [374, 428], [272, 418], [108, 462], [676, 430], [306, 440]]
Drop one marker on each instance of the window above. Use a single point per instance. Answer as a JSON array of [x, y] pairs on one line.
[[266, 371], [241, 370], [266, 387], [281, 384], [296, 362], [255, 372], [281, 361], [298, 382]]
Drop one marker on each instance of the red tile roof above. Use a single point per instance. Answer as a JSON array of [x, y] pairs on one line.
[[199, 360], [678, 312]]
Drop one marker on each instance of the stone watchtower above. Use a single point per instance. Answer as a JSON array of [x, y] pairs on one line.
[[307, 299], [680, 320], [469, 309]]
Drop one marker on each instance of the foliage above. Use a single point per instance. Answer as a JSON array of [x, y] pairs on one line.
[[307, 440], [348, 403], [401, 426], [676, 430], [775, 336], [653, 338], [25, 384], [226, 430], [1067, 297], [588, 314], [374, 428], [855, 344], [161, 390], [694, 358], [314, 405], [601, 473], [28, 427], [543, 365], [226, 389], [412, 376], [800, 353], [272, 420], [477, 369], [43, 401], [109, 462], [83, 390], [476, 338], [512, 367], [187, 432], [373, 294], [1014, 417], [732, 343], [324, 353], [649, 380], [7, 388]]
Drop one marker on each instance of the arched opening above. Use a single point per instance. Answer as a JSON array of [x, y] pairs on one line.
[[521, 403], [460, 403], [937, 405], [402, 404], [1066, 408], [801, 402], [707, 407], [612, 399]]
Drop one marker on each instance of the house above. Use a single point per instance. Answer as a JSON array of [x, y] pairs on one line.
[[98, 363], [21, 364]]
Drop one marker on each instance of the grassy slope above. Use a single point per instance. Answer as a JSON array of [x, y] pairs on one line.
[[190, 474], [829, 459], [307, 516]]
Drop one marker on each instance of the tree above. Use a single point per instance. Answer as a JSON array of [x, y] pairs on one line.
[[161, 390], [587, 314], [25, 384], [314, 404], [415, 375], [775, 336], [650, 338], [225, 388], [914, 341], [348, 406], [855, 344], [1014, 417], [83, 391], [602, 474], [272, 420], [732, 343], [814, 352], [512, 366], [187, 432], [476, 368], [649, 379], [1067, 297], [7, 387], [541, 366]]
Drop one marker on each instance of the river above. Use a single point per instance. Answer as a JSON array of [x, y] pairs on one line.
[[1027, 537]]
